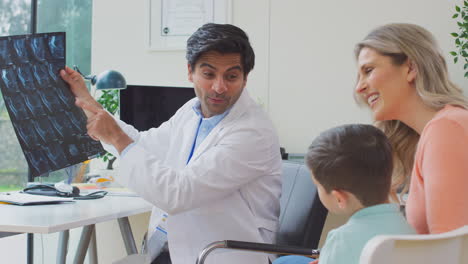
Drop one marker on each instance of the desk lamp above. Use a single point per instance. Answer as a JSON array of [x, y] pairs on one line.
[[107, 80]]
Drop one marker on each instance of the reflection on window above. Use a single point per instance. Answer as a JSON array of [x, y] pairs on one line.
[[15, 17], [73, 17]]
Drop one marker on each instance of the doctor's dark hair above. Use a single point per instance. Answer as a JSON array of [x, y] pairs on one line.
[[355, 158], [222, 38]]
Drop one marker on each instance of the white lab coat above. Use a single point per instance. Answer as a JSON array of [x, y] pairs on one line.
[[230, 189]]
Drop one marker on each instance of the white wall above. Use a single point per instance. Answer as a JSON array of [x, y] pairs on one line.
[[118, 42], [305, 69], [120, 37]]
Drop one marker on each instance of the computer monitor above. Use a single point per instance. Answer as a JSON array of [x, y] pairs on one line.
[[145, 107]]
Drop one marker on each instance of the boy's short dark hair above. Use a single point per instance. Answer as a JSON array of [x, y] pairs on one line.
[[355, 158], [222, 38]]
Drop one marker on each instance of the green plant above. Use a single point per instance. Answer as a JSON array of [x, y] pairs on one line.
[[461, 38], [110, 101]]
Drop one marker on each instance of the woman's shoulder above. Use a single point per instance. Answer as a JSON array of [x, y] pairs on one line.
[[448, 118], [452, 112], [450, 122]]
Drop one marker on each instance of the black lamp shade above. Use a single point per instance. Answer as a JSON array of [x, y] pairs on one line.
[[109, 80]]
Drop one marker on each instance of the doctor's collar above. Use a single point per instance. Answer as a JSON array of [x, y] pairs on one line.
[[197, 109]]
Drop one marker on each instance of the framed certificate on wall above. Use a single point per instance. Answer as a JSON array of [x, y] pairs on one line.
[[171, 22]]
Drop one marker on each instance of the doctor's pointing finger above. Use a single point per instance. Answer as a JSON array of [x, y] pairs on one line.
[[103, 127]]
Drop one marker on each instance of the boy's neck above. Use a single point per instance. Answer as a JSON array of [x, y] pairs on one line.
[[356, 205], [352, 208]]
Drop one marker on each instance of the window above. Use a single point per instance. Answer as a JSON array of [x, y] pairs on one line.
[[15, 19], [72, 17]]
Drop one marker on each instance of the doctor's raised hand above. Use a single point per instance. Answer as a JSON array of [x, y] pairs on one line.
[[78, 87], [103, 127]]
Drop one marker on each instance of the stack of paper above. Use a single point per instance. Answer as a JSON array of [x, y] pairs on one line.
[[19, 198]]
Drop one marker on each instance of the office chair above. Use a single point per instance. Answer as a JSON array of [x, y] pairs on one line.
[[301, 221], [450, 247]]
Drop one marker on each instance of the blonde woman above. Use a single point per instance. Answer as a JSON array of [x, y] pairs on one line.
[[403, 79]]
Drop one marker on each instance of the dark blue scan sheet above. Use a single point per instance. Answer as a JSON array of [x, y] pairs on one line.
[[49, 127]]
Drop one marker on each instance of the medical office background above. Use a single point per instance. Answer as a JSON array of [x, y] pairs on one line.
[[304, 74]]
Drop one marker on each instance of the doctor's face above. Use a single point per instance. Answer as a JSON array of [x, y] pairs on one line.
[[218, 80]]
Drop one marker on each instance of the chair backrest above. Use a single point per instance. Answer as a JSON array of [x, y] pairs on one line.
[[302, 214], [450, 247]]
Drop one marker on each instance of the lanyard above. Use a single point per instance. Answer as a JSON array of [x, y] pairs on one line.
[[194, 142]]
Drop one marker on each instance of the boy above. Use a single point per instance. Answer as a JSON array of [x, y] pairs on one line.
[[351, 166]]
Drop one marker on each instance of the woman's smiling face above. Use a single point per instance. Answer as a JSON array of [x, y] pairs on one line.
[[383, 86]]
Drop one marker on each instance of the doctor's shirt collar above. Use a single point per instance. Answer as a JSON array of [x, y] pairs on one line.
[[214, 120]]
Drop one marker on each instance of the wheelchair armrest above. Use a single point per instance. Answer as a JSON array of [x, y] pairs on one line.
[[257, 247]]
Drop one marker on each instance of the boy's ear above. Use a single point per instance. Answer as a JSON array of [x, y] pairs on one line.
[[341, 198]]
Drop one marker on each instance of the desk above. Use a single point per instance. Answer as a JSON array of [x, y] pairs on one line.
[[45, 219]]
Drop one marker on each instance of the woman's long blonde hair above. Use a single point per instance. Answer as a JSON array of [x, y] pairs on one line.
[[402, 42]]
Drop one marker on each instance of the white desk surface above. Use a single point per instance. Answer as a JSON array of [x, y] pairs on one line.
[[52, 218]]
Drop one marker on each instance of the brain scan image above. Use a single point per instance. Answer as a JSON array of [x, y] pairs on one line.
[[51, 102], [38, 48], [28, 136], [59, 136], [19, 48], [89, 145], [38, 161], [44, 129], [73, 150], [68, 100], [5, 55], [50, 128], [54, 69], [41, 75], [77, 120], [56, 155], [57, 46], [26, 78], [62, 125], [9, 80], [18, 110], [34, 104]]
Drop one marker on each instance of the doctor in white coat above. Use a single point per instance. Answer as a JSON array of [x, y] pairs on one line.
[[215, 166]]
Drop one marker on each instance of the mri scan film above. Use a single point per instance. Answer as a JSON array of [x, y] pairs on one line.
[[50, 128]]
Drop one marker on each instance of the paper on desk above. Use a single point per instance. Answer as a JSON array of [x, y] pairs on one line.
[[86, 188], [18, 198], [116, 191]]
